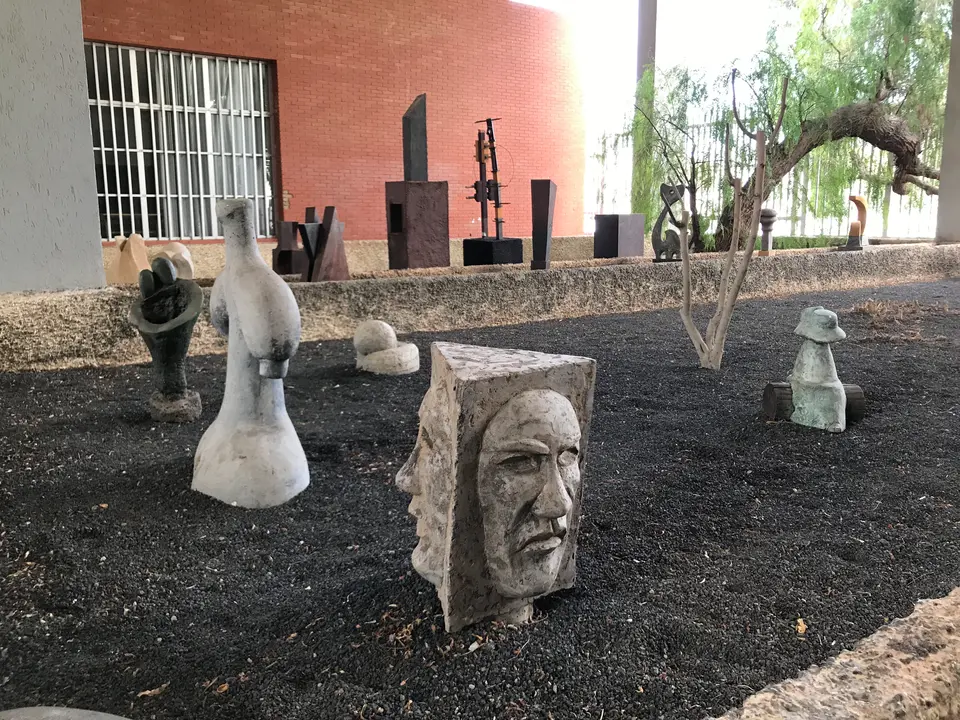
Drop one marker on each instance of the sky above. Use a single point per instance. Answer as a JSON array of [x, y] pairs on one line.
[[696, 33]]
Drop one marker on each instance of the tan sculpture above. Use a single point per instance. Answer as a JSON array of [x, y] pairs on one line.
[[179, 255], [495, 478], [131, 258], [861, 205]]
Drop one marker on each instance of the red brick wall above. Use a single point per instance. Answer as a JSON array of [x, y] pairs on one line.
[[348, 69]]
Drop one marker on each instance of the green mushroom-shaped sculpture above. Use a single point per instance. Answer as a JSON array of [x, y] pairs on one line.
[[164, 316]]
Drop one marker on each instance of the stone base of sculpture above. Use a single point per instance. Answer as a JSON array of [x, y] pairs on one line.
[[181, 409], [379, 352], [491, 251], [55, 713], [819, 399], [496, 478], [251, 456]]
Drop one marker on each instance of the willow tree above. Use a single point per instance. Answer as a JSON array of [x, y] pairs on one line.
[[870, 70]]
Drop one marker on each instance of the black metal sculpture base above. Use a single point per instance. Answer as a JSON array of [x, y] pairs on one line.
[[490, 251], [164, 316]]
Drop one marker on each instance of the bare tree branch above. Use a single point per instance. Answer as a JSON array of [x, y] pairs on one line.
[[736, 114], [664, 147], [775, 137], [925, 186], [726, 156]]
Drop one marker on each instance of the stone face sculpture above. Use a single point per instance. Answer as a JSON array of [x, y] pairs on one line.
[[819, 399], [495, 478], [131, 258], [379, 352], [55, 713], [164, 316], [251, 456], [179, 255]]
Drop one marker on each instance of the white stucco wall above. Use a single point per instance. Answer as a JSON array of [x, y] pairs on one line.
[[948, 210], [49, 233]]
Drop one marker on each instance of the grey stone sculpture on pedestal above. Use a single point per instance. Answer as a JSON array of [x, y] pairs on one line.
[[819, 399], [164, 316], [379, 352], [495, 478], [251, 456]]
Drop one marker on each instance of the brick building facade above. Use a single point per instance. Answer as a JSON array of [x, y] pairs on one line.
[[346, 70]]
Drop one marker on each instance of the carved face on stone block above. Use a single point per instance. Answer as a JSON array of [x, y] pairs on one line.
[[528, 475], [424, 477]]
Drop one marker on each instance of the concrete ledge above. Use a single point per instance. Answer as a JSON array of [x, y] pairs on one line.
[[46, 330], [907, 670]]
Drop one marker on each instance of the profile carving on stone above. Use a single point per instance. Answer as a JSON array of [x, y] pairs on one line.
[[495, 478]]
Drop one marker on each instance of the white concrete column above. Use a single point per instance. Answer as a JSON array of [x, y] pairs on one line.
[[49, 227], [646, 36], [948, 212]]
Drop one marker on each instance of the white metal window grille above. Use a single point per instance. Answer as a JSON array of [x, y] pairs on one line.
[[174, 132]]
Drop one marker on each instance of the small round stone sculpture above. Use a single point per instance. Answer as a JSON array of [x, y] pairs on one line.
[[379, 352], [164, 316]]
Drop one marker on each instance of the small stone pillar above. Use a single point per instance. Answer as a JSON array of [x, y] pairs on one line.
[[251, 456], [164, 316], [768, 217], [496, 478]]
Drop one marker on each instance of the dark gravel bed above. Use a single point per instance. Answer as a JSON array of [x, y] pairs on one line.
[[707, 534]]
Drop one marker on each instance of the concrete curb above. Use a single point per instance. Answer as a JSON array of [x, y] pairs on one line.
[[84, 328], [907, 670]]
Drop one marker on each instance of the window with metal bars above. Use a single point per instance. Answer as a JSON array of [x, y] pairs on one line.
[[174, 132]]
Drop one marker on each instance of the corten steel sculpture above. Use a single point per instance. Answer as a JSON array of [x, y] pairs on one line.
[[486, 250], [288, 257], [667, 250], [418, 221], [856, 237], [323, 245], [543, 197], [164, 316], [251, 456], [495, 478]]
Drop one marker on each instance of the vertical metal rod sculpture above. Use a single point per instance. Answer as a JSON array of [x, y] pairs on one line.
[[481, 195], [495, 181]]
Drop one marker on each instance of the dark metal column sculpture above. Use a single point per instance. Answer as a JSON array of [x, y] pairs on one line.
[[418, 221], [543, 196], [323, 244]]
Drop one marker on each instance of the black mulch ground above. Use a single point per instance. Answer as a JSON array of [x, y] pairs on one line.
[[707, 534]]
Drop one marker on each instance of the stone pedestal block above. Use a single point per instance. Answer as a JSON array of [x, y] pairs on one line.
[[418, 224], [55, 713], [496, 478], [251, 456], [543, 197], [490, 251], [618, 236]]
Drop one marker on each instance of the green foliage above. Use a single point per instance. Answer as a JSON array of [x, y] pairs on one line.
[[843, 52]]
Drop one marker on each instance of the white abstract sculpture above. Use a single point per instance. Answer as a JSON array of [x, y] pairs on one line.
[[251, 456], [819, 400], [495, 478], [379, 352], [55, 713]]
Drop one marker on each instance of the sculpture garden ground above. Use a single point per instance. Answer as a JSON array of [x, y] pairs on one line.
[[708, 535]]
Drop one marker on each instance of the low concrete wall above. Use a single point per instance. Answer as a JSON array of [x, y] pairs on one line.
[[907, 670], [364, 256], [39, 330]]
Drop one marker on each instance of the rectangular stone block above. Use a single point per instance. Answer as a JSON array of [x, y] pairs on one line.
[[418, 224], [617, 236], [496, 478], [490, 251], [415, 141], [543, 196]]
